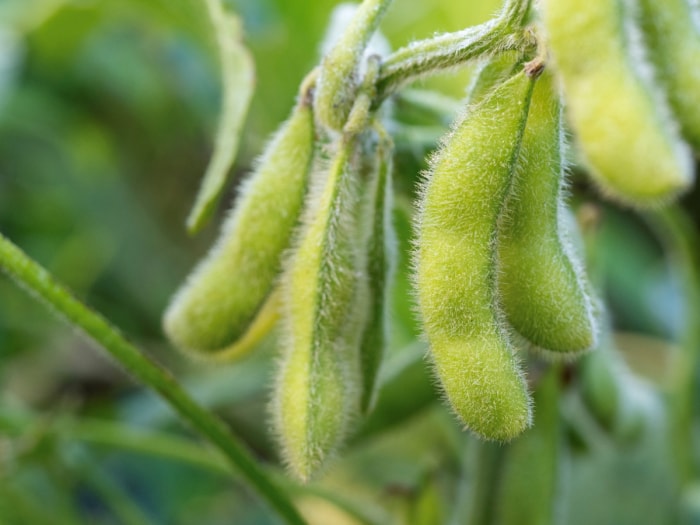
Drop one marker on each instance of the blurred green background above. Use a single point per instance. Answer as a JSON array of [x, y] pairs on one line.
[[107, 114]]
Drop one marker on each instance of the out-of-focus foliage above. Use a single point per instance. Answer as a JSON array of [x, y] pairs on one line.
[[107, 112]]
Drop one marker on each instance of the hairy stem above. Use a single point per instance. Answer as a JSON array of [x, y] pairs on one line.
[[452, 49], [40, 284]]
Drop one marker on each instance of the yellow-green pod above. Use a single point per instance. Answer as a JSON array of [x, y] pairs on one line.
[[261, 326], [622, 123], [490, 73], [542, 285], [227, 289], [380, 266], [456, 263], [318, 383], [338, 81], [672, 29]]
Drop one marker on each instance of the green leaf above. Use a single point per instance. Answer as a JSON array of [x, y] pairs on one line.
[[238, 76]]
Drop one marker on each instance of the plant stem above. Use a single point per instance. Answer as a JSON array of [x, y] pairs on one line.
[[39, 283], [452, 49]]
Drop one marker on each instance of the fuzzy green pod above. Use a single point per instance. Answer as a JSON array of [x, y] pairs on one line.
[[622, 123], [380, 267], [338, 81], [456, 263], [531, 469], [542, 285], [317, 384], [672, 30], [225, 292], [490, 73]]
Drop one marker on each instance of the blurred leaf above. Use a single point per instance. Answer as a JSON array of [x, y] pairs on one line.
[[237, 72]]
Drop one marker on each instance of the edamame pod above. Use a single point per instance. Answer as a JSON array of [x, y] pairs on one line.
[[338, 82], [380, 266], [324, 306], [623, 126], [225, 292], [542, 285], [672, 29], [318, 382], [456, 259], [491, 73]]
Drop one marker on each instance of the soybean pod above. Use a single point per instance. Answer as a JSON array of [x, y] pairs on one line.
[[542, 284], [317, 381], [380, 266], [672, 30], [319, 384], [225, 292], [622, 123], [456, 263], [491, 73]]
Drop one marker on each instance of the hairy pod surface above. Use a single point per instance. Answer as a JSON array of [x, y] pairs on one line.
[[225, 292], [490, 73], [531, 469], [338, 80], [624, 127], [318, 380], [380, 267], [672, 29], [455, 263], [542, 285]]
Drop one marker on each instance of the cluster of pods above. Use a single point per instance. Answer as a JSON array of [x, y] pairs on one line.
[[309, 245]]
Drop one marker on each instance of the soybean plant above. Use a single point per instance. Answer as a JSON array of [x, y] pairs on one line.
[[308, 252]]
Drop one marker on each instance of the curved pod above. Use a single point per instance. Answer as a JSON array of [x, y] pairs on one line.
[[541, 283], [318, 380], [455, 264], [623, 126], [225, 292]]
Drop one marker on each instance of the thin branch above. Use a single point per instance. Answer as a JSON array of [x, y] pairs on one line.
[[40, 283], [449, 50]]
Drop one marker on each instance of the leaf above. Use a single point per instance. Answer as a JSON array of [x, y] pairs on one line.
[[238, 77]]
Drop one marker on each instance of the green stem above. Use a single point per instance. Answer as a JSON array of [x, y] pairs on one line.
[[39, 283], [676, 231], [452, 49]]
